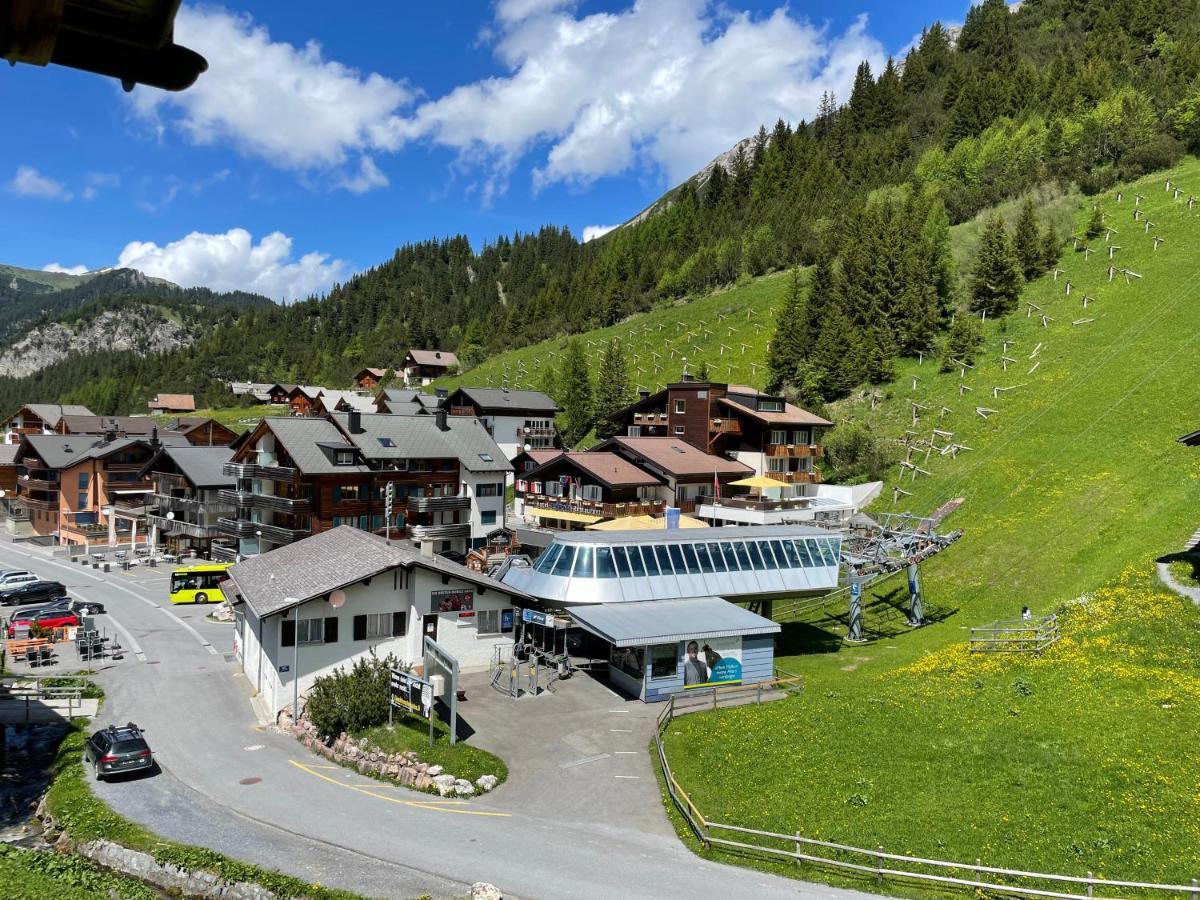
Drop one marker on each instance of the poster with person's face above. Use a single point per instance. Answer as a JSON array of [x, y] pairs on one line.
[[712, 661]]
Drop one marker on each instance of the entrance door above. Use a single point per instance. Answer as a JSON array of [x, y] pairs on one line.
[[430, 623]]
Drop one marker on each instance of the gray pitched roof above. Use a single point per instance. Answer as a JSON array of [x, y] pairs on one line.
[[301, 438], [661, 621], [52, 412], [8, 454], [498, 400], [418, 437], [200, 465], [60, 450], [333, 559], [399, 395], [330, 400]]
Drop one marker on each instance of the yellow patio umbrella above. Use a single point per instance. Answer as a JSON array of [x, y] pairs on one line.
[[759, 481], [644, 523]]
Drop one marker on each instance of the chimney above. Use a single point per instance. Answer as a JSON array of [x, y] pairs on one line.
[[427, 549], [154, 442], [643, 394], [440, 418], [354, 422]]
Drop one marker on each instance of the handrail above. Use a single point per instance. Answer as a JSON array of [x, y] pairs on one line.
[[703, 827]]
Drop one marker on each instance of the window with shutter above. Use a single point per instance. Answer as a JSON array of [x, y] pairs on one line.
[[288, 635], [360, 628], [331, 629]]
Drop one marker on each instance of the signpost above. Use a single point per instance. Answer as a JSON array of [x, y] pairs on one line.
[[436, 656]]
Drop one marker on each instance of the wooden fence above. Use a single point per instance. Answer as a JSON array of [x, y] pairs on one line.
[[1015, 635], [881, 865]]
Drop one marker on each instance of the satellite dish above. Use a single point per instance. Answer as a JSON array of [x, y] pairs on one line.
[[528, 446], [170, 516], [337, 599], [3, 493]]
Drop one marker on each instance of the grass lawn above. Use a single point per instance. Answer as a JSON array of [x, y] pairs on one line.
[[236, 418], [460, 760], [1185, 573], [1072, 487], [38, 874]]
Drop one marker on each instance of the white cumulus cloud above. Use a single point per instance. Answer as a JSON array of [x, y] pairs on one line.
[[591, 232], [289, 105], [367, 178], [29, 182], [65, 270], [668, 84], [233, 261]]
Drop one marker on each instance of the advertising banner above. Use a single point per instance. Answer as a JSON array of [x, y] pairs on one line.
[[410, 693], [712, 661], [453, 601]]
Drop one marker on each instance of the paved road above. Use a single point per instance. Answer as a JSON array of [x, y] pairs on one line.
[[579, 818]]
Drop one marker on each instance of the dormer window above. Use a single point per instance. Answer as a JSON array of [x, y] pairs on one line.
[[770, 406], [344, 458]]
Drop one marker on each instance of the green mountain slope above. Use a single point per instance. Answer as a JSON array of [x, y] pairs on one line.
[[1073, 485], [729, 330]]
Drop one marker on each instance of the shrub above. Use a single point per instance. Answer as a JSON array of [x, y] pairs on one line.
[[352, 700], [857, 454]]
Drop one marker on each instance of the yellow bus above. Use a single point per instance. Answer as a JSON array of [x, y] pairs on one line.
[[198, 584]]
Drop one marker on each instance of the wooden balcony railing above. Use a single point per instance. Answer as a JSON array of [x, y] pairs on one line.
[[595, 507], [725, 426], [813, 477], [795, 451]]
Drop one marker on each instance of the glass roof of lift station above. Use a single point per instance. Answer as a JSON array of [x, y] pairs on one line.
[[740, 562]]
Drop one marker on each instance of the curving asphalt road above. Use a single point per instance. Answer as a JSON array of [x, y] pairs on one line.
[[579, 817]]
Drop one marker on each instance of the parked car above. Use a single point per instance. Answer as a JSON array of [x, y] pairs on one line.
[[13, 577], [46, 618], [118, 749], [31, 592], [79, 607]]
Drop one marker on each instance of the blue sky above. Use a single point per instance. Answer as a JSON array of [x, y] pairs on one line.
[[316, 144]]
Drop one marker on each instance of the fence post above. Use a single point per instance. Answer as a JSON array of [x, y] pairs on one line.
[[714, 693], [879, 866], [1090, 885], [1195, 889], [760, 693]]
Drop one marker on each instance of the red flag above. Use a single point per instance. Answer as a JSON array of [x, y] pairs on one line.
[[716, 486]]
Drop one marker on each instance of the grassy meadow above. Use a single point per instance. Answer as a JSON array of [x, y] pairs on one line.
[[1073, 484]]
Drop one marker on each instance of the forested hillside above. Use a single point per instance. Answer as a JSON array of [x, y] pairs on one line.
[[1050, 92]]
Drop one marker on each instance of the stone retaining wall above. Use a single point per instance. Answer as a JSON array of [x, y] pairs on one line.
[[405, 768]]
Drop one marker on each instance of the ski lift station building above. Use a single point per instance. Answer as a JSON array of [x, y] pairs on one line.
[[667, 602]]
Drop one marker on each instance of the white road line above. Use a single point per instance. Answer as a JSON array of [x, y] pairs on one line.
[[130, 640], [618, 710], [627, 776], [204, 642], [580, 762], [622, 730], [627, 752], [78, 570]]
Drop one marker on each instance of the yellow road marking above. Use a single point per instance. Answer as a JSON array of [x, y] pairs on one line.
[[436, 805]]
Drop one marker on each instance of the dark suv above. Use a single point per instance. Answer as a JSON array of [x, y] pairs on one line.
[[118, 749], [32, 592]]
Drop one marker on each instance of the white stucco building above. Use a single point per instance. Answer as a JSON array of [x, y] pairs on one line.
[[289, 632]]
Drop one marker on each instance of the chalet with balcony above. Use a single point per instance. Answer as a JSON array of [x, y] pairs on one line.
[[528, 460], [301, 476], [39, 462], [518, 420], [186, 506], [770, 435], [302, 398], [368, 379], [420, 367], [39, 418], [202, 432], [15, 517], [685, 472], [172, 403], [573, 490]]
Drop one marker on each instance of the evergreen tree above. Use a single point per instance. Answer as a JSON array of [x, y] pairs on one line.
[[788, 345], [703, 373], [1095, 226], [1027, 242], [613, 392], [575, 395], [996, 280], [964, 337], [1051, 248]]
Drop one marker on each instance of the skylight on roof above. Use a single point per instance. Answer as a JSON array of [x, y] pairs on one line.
[[386, 442], [486, 457]]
